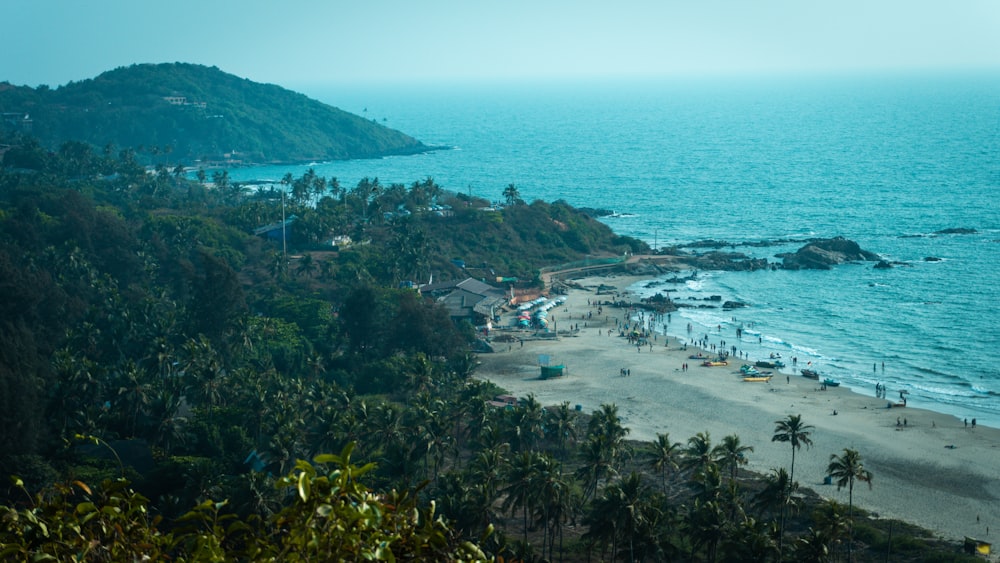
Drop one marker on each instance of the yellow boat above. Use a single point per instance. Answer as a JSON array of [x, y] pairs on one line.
[[762, 378], [710, 364]]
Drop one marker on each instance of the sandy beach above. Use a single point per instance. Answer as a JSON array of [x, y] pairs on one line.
[[934, 471]]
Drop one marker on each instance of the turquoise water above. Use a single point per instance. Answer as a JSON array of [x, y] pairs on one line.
[[885, 161]]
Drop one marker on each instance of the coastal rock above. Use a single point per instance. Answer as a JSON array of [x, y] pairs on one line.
[[733, 305], [931, 259], [882, 265], [727, 261], [823, 254]]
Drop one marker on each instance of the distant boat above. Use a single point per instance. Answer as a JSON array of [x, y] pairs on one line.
[[811, 374]]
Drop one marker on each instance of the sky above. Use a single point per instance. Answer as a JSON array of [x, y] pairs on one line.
[[369, 42]]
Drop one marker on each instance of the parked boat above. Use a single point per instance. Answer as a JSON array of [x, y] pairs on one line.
[[717, 363], [811, 374], [830, 382], [758, 378], [770, 364]]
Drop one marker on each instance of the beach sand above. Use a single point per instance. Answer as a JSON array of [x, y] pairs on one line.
[[918, 476]]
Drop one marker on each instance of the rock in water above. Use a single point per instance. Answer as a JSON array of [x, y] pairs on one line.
[[823, 254]]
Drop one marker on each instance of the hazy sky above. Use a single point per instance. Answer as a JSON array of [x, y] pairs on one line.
[[297, 42]]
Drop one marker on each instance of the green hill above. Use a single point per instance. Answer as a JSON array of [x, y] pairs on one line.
[[194, 112]]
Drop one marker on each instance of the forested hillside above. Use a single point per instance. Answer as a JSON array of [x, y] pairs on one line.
[[183, 113]]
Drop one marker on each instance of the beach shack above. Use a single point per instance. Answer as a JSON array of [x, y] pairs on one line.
[[977, 547], [549, 372]]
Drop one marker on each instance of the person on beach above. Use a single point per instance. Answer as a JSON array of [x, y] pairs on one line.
[[973, 423]]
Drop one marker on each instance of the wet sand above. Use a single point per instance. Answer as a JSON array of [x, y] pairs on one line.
[[934, 471]]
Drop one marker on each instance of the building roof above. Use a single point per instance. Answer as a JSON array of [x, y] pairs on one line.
[[465, 297]]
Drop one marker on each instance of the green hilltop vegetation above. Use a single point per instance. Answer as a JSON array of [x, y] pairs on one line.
[[175, 387], [181, 112]]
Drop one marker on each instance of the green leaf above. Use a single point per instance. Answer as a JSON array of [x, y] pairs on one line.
[[85, 508], [327, 458], [304, 486]]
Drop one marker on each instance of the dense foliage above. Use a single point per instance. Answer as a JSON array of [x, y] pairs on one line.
[[164, 374], [186, 112]]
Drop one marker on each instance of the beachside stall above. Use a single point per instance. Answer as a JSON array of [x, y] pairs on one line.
[[549, 372], [977, 547]]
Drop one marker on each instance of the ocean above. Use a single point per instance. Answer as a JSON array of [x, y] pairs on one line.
[[887, 161]]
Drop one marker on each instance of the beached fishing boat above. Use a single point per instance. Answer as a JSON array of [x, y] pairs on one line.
[[770, 364], [712, 364], [811, 374], [830, 382], [757, 378]]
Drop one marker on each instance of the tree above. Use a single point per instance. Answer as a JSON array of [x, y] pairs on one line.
[[731, 454], [698, 453], [792, 430], [521, 475], [560, 427], [607, 427], [512, 195], [775, 497], [622, 513], [845, 470], [663, 455], [307, 265]]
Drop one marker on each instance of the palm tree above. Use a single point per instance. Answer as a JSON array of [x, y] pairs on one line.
[[521, 475], [560, 427], [775, 497], [793, 431], [846, 469], [663, 455], [606, 426], [307, 265], [731, 454], [551, 491], [511, 194], [594, 466], [698, 453], [813, 547], [628, 498], [706, 525]]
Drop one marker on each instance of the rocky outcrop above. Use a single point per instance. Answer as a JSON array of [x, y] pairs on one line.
[[956, 231], [729, 261], [823, 254]]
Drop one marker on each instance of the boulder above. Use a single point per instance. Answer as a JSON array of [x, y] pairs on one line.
[[823, 254]]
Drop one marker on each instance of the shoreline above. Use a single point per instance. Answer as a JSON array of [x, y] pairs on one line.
[[932, 471]]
